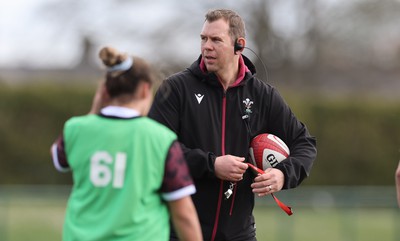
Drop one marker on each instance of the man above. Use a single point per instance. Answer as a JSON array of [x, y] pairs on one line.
[[206, 106]]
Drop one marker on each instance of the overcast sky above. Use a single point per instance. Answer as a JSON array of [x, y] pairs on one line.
[[14, 29], [47, 33], [32, 35]]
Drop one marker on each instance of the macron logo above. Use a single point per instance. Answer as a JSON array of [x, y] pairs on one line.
[[199, 97]]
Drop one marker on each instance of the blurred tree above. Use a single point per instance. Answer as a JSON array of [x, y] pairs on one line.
[[268, 45], [301, 34]]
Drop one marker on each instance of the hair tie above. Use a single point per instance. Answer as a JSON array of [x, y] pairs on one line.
[[123, 66]]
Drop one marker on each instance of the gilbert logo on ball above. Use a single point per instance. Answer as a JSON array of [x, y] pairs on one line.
[[267, 150]]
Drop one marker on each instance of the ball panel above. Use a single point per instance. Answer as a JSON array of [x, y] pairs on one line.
[[267, 150], [252, 159], [271, 158], [279, 144]]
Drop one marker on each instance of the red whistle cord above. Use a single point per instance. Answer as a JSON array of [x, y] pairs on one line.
[[283, 206]]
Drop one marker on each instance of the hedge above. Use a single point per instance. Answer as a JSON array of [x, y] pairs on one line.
[[358, 138]]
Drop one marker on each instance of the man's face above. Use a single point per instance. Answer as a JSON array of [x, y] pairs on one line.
[[216, 45]]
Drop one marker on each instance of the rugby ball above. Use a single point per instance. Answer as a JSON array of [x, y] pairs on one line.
[[267, 150]]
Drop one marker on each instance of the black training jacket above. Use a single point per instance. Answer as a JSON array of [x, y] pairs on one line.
[[211, 122]]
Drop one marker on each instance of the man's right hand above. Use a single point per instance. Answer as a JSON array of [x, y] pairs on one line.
[[230, 168]]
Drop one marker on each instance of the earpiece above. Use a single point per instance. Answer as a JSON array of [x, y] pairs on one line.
[[237, 47]]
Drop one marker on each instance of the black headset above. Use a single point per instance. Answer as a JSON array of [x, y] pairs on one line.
[[237, 46]]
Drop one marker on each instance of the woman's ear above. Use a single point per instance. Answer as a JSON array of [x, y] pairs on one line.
[[144, 90], [145, 96]]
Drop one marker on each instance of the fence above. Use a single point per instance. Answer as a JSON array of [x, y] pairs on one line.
[[320, 213]]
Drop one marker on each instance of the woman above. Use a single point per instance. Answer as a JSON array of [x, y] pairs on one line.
[[129, 172]]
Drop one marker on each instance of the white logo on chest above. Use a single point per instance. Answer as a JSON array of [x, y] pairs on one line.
[[199, 97]]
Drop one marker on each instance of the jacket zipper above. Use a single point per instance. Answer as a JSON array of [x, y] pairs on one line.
[[222, 182], [221, 186], [223, 150]]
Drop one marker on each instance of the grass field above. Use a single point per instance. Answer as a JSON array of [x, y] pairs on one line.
[[38, 213], [333, 224]]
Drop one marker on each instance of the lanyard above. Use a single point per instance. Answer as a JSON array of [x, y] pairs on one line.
[[283, 206]]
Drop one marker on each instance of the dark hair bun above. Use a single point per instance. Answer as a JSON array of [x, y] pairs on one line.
[[111, 56]]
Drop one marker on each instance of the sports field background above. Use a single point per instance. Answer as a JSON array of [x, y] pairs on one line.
[[332, 213]]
